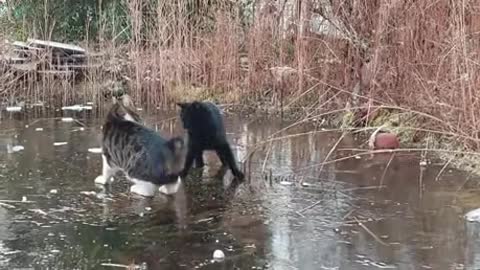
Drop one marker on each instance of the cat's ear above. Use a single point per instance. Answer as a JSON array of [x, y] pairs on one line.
[[183, 105]]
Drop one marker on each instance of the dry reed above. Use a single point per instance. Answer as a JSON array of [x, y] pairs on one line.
[[321, 56]]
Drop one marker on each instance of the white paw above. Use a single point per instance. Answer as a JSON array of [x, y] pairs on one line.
[[146, 190], [101, 180], [169, 189]]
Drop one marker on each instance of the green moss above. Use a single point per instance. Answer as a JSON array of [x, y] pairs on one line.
[[184, 93], [468, 198], [347, 119], [462, 161]]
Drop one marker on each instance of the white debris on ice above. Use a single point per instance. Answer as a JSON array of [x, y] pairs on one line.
[[67, 119], [15, 148], [60, 143], [14, 109], [95, 150], [286, 183], [218, 255], [88, 193], [77, 108]]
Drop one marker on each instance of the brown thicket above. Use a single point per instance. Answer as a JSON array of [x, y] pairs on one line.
[[316, 54]]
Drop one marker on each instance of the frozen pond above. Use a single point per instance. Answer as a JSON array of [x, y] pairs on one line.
[[291, 213]]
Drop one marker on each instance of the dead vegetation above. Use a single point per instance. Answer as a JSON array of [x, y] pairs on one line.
[[315, 56]]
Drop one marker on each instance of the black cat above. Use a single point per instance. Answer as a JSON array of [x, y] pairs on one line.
[[204, 124], [147, 159]]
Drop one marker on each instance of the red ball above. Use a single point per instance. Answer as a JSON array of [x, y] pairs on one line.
[[386, 141]]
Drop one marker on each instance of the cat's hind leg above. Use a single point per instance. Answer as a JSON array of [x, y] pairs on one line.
[[107, 173], [143, 188], [225, 154], [199, 160]]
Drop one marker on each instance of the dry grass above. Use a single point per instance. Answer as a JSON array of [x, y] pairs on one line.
[[419, 56]]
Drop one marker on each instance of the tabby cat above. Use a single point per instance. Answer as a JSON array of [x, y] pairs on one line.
[[147, 159]]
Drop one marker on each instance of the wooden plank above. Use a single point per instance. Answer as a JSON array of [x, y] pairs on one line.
[[24, 46], [20, 44], [68, 48], [32, 66], [80, 56]]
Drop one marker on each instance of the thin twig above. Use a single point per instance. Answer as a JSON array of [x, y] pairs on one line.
[[348, 214], [331, 151], [443, 169], [14, 201], [370, 232], [362, 188], [385, 170], [310, 206], [6, 205], [116, 265]]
